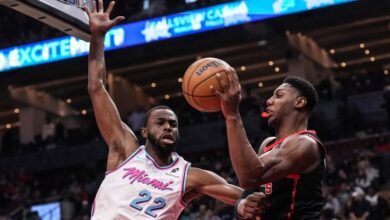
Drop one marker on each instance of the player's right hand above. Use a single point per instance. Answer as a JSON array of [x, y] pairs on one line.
[[99, 21], [230, 97], [252, 206]]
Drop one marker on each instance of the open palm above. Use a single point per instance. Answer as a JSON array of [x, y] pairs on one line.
[[99, 21]]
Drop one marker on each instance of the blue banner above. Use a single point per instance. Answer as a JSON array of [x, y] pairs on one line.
[[156, 29]]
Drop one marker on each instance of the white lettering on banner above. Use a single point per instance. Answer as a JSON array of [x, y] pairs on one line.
[[228, 15], [281, 6], [235, 15], [14, 58], [45, 53], [317, 3], [196, 23], [214, 23], [3, 61], [53, 49], [60, 49], [78, 46], [119, 36], [185, 20], [35, 51], [115, 35], [213, 14], [155, 30], [64, 49], [24, 55]]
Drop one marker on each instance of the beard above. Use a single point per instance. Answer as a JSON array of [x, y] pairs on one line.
[[161, 147]]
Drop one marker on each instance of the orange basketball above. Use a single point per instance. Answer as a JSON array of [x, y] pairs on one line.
[[197, 81]]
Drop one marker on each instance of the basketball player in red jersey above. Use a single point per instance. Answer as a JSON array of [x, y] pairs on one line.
[[289, 168], [142, 182]]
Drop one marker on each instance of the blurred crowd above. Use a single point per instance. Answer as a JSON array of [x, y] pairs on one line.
[[353, 188], [357, 185], [335, 91]]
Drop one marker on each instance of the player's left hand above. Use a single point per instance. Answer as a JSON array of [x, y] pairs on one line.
[[252, 206], [230, 96], [99, 21]]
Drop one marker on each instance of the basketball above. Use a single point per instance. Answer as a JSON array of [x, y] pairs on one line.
[[197, 80]]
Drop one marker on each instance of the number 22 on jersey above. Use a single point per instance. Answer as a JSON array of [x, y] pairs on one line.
[[145, 196]]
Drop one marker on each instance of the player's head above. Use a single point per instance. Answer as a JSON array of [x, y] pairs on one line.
[[161, 129], [295, 94]]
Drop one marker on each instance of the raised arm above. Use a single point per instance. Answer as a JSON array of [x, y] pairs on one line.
[[120, 139], [242, 154], [203, 182], [297, 154]]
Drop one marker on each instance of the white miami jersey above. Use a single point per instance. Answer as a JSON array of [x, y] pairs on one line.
[[140, 189]]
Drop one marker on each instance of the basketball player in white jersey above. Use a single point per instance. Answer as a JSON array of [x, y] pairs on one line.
[[142, 182]]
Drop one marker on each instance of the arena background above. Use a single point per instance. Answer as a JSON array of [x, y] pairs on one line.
[[51, 152]]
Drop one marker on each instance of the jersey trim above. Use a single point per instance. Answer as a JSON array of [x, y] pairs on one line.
[[293, 195], [294, 176], [161, 167], [183, 184], [139, 149], [315, 138], [276, 143], [93, 208]]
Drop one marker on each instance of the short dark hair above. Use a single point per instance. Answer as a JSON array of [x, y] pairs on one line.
[[305, 88], [147, 114]]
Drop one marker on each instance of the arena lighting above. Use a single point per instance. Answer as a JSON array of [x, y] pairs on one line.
[[157, 29]]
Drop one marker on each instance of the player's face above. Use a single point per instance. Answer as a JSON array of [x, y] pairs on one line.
[[162, 130], [281, 103]]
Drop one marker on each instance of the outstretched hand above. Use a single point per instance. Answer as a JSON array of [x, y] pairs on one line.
[[99, 21], [230, 96]]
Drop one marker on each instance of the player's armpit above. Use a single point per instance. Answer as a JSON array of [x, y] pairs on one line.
[[120, 151], [204, 182], [296, 155]]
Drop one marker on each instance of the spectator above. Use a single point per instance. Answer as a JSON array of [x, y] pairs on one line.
[[48, 129], [379, 206], [358, 208], [67, 209], [332, 206]]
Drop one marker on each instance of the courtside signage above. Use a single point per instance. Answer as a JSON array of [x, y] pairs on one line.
[[156, 29]]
